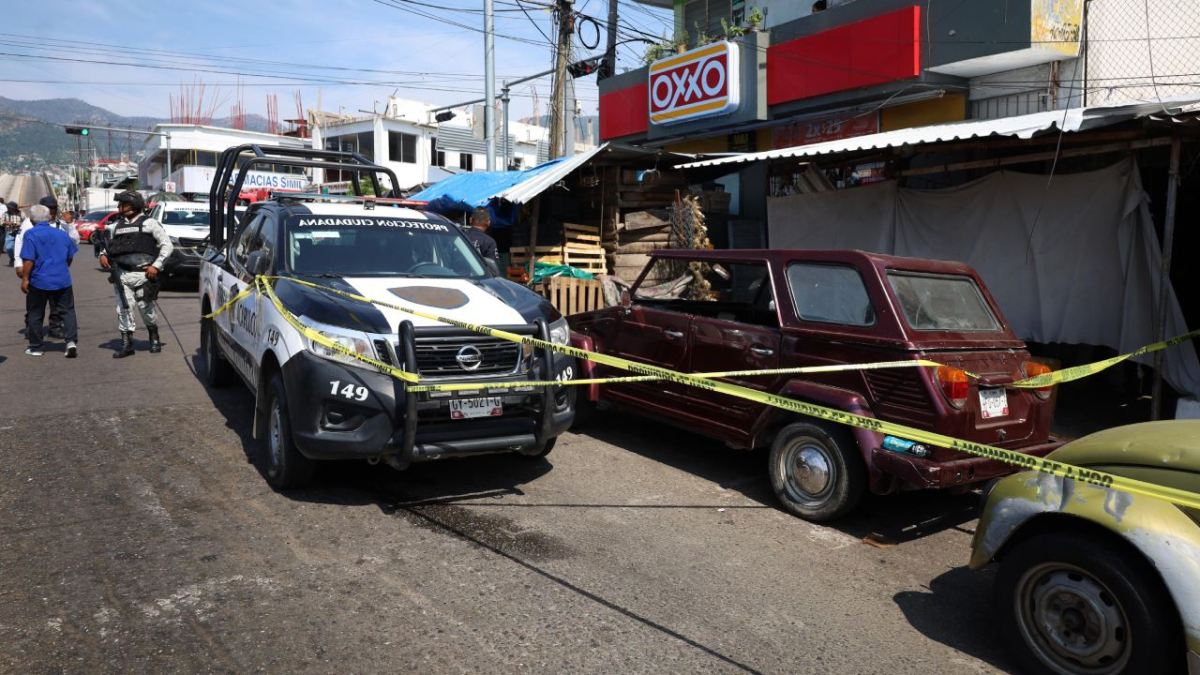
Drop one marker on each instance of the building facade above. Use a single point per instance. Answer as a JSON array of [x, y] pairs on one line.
[[195, 150]]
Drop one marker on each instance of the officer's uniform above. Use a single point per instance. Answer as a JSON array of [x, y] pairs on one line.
[[483, 242], [134, 245]]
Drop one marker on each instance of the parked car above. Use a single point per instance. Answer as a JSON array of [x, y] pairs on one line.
[[1092, 580], [91, 222], [186, 223], [759, 309]]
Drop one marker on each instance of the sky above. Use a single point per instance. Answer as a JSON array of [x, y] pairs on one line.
[[341, 55]]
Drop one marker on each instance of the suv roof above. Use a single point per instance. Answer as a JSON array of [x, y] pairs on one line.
[[879, 261]]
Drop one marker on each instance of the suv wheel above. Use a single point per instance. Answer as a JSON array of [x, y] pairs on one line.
[[285, 467], [217, 371], [817, 475], [1075, 603]]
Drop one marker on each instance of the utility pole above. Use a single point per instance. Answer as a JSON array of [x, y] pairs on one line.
[[507, 147], [562, 55], [569, 119], [489, 84], [610, 50]]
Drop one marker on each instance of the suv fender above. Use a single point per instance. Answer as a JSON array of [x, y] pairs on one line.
[[587, 369], [773, 419]]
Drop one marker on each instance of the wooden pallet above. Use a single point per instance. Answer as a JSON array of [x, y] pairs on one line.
[[572, 296], [589, 258]]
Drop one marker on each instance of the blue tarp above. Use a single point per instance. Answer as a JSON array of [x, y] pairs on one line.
[[469, 190]]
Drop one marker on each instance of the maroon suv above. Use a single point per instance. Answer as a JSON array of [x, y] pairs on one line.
[[758, 309]]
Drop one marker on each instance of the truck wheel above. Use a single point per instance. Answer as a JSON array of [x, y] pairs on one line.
[[217, 371], [285, 467], [817, 475], [1075, 603], [540, 452]]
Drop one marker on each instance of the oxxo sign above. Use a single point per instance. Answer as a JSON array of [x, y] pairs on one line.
[[703, 82]]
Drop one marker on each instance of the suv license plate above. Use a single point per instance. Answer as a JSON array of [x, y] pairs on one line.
[[469, 408], [993, 403]]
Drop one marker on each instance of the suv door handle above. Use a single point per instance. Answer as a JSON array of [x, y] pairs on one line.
[[673, 334], [762, 351]]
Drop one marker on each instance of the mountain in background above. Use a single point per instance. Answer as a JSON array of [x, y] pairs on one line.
[[31, 135]]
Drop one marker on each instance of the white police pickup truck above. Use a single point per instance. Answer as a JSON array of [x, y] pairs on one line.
[[314, 403]]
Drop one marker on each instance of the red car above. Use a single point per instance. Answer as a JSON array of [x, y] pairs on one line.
[[760, 309], [92, 221]]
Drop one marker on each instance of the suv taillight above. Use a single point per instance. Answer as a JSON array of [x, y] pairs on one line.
[[1034, 369], [954, 385]]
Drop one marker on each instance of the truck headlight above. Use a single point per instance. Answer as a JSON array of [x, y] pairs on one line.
[[560, 332], [352, 341]]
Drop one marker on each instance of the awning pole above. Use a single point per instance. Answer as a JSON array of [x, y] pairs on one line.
[[533, 236], [1160, 331]]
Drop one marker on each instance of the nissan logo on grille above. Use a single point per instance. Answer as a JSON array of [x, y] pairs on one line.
[[469, 357]]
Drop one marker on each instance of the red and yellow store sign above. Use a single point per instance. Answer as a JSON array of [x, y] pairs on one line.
[[702, 82]]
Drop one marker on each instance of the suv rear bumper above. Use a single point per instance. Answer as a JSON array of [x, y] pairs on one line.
[[926, 473]]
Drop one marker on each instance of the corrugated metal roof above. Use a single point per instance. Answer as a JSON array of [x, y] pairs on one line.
[[466, 191], [1020, 126]]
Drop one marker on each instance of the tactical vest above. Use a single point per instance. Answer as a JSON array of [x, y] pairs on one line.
[[129, 239]]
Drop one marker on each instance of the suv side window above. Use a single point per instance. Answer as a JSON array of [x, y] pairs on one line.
[[828, 293], [242, 243], [729, 291]]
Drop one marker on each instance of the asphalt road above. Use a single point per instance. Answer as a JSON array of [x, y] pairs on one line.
[[136, 535]]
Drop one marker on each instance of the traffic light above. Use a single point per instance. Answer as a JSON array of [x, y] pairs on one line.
[[585, 67], [79, 131]]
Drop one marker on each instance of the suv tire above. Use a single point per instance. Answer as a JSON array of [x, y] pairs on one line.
[[1055, 590], [283, 464], [217, 371], [816, 474]]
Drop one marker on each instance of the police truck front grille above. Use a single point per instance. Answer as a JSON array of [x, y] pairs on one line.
[[446, 357], [191, 243]]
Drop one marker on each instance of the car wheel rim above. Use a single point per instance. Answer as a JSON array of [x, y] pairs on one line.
[[809, 472], [1072, 621], [275, 437]]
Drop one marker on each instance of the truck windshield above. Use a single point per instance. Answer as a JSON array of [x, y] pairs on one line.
[[371, 246], [942, 302], [185, 218]]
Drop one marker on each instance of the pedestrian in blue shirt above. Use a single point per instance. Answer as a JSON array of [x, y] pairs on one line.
[[46, 255]]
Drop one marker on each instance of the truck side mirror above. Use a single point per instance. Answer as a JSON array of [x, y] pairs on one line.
[[256, 263]]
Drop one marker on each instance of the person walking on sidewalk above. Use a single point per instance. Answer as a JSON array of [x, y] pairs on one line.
[[136, 247], [46, 256], [56, 320]]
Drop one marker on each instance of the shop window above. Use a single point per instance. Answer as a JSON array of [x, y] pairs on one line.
[[466, 161], [402, 147]]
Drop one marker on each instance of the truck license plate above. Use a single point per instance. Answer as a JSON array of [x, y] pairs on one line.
[[470, 408], [993, 403]]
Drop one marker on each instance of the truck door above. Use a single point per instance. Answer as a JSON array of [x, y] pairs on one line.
[[241, 320]]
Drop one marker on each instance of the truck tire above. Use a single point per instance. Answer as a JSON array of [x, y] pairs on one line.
[[817, 474], [283, 465], [1076, 602], [217, 371]]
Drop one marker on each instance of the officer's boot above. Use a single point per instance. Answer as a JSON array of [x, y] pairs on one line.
[[126, 345], [155, 343]]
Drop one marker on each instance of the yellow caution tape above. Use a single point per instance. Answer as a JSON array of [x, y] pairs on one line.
[[1079, 372], [1043, 465]]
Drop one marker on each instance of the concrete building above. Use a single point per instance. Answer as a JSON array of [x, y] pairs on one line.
[[194, 153], [407, 138]]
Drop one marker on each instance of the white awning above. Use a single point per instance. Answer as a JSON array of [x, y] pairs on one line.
[[1020, 126], [526, 190]]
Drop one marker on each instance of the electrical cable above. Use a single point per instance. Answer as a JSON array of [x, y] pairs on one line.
[[596, 25]]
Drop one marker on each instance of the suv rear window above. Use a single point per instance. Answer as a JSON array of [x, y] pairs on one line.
[[830, 294], [942, 302]]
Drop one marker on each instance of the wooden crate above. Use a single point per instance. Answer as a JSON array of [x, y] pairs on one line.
[[589, 258], [572, 296], [574, 233], [546, 254]]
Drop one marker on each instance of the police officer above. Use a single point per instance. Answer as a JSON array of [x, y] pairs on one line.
[[137, 246], [481, 220]]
